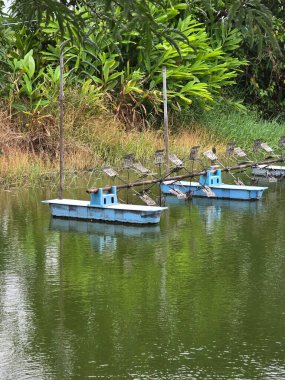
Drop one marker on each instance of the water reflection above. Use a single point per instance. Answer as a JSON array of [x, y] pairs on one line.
[[104, 236], [69, 225], [233, 205], [199, 297], [212, 211]]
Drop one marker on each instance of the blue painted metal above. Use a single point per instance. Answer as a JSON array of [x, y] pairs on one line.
[[104, 197], [104, 206], [269, 171], [213, 180]]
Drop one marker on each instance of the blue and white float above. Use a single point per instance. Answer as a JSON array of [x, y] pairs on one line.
[[104, 206], [269, 171], [210, 185]]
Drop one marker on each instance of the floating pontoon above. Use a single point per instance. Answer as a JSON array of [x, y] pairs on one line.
[[210, 185], [269, 171], [104, 206]]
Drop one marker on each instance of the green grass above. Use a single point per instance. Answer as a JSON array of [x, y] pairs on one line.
[[241, 128]]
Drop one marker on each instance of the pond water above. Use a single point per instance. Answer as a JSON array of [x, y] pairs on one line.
[[201, 296]]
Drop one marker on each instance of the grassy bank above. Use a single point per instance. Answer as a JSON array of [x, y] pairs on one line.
[[30, 155], [241, 128], [30, 151]]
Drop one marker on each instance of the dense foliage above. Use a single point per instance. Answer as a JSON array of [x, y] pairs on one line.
[[115, 51], [262, 27]]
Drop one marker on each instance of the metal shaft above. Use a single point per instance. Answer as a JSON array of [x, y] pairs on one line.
[[165, 113], [61, 123], [197, 174]]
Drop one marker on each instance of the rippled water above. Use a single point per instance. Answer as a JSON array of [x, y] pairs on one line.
[[199, 297]]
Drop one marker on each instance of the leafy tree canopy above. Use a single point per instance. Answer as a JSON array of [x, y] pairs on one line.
[[133, 14], [137, 32]]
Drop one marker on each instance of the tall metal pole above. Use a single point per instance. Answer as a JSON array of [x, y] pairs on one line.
[[165, 118], [61, 65]]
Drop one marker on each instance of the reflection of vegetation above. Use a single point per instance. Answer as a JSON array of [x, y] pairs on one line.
[[188, 289]]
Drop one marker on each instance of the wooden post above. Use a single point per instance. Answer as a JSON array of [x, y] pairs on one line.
[[165, 119]]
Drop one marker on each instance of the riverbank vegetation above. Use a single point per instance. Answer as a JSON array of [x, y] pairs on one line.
[[90, 143], [225, 76]]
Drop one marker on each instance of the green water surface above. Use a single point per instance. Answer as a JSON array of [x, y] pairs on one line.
[[201, 296]]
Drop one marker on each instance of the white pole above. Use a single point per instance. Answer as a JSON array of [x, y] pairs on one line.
[[61, 122], [165, 118], [61, 67]]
